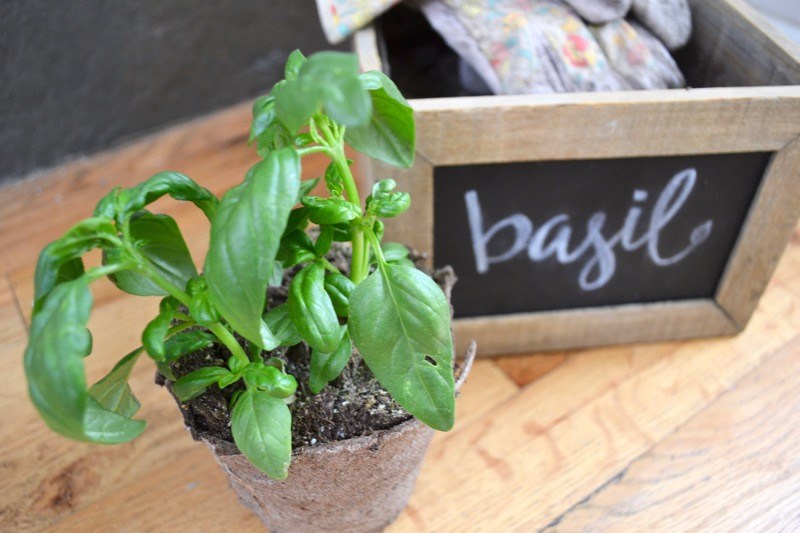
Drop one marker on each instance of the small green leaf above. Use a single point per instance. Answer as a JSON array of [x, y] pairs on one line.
[[178, 186], [324, 240], [311, 309], [245, 239], [394, 251], [58, 342], [263, 116], [330, 210], [187, 342], [296, 247], [155, 332], [293, 64], [306, 186], [295, 102], [298, 219], [195, 383], [269, 379], [400, 322], [339, 287], [200, 307], [337, 75], [334, 181], [59, 259], [276, 275], [325, 367], [281, 325], [161, 242], [113, 392], [262, 429], [389, 135], [385, 203]]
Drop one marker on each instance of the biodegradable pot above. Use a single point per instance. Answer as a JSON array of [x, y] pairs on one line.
[[354, 485], [359, 484]]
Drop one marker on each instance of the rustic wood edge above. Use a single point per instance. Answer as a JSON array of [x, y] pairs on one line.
[[587, 327], [764, 235]]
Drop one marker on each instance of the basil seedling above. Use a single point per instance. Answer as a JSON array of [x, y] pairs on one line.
[[396, 316]]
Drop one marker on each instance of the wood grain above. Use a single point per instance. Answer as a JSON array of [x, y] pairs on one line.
[[766, 230], [733, 467]]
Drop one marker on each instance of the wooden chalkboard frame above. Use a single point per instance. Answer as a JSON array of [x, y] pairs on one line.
[[494, 129]]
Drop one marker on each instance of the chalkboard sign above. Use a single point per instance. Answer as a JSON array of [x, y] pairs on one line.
[[544, 236]]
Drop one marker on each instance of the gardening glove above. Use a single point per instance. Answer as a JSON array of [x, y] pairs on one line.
[[340, 18], [669, 20], [638, 56], [523, 47], [600, 11], [580, 61]]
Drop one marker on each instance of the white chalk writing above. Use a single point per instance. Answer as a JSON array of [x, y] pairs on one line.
[[552, 238]]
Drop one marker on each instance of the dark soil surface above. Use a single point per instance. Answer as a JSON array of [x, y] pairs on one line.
[[352, 405]]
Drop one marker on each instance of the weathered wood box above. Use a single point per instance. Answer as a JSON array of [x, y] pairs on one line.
[[744, 101]]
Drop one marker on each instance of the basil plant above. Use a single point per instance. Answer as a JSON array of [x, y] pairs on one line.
[[396, 316]]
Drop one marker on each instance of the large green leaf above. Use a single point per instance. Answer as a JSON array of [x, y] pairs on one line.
[[400, 323], [389, 135], [58, 342], [326, 79], [312, 310], [60, 260], [162, 244], [178, 186], [244, 240], [262, 429]]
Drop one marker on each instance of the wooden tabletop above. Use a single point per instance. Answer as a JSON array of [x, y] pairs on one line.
[[697, 435]]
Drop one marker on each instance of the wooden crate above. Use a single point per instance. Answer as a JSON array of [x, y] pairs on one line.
[[746, 99]]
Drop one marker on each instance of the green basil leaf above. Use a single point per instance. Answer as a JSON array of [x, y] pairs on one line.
[[336, 74], [334, 181], [187, 342], [113, 392], [57, 344], [59, 259], [324, 240], [311, 309], [281, 325], [202, 310], [245, 239], [325, 367], [339, 287], [389, 135], [274, 137], [262, 429], [298, 219], [106, 207], [195, 383], [161, 242], [296, 247], [330, 210], [263, 116], [295, 102], [154, 336], [178, 186], [400, 322], [269, 379], [393, 251], [342, 232], [293, 64], [306, 186], [385, 203]]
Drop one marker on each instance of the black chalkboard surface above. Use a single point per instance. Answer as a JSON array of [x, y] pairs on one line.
[[538, 236]]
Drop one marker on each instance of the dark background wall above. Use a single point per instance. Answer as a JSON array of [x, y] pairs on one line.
[[78, 76]]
